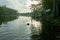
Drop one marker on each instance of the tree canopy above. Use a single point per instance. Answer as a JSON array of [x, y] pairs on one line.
[[7, 11]]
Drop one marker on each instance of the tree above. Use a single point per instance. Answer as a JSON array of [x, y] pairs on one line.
[[7, 11]]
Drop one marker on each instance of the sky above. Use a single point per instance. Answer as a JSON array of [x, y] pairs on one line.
[[22, 6]]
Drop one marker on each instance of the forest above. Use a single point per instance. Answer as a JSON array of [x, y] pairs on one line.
[[7, 11], [7, 14], [47, 11]]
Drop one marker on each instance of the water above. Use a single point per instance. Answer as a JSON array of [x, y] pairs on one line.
[[17, 29]]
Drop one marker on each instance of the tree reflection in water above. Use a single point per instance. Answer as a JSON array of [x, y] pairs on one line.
[[5, 19], [35, 29]]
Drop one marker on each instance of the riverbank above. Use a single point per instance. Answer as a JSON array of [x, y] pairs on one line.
[[50, 27]]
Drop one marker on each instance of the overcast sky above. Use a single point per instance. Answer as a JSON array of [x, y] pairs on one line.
[[20, 5]]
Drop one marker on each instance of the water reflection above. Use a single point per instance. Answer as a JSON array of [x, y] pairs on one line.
[[36, 29], [16, 28], [5, 19], [36, 26]]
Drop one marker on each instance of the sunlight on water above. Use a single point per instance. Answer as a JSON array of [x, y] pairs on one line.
[[15, 30], [18, 29], [36, 27], [36, 23]]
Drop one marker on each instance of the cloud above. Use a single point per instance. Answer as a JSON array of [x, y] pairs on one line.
[[29, 2], [19, 5], [15, 4]]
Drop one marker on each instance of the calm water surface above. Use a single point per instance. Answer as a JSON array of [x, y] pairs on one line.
[[18, 29]]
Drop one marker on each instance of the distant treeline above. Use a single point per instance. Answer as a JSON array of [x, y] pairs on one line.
[[7, 11]]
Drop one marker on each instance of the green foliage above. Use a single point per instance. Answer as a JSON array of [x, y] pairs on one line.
[[7, 11], [47, 4], [38, 11], [7, 18], [49, 23], [6, 14]]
